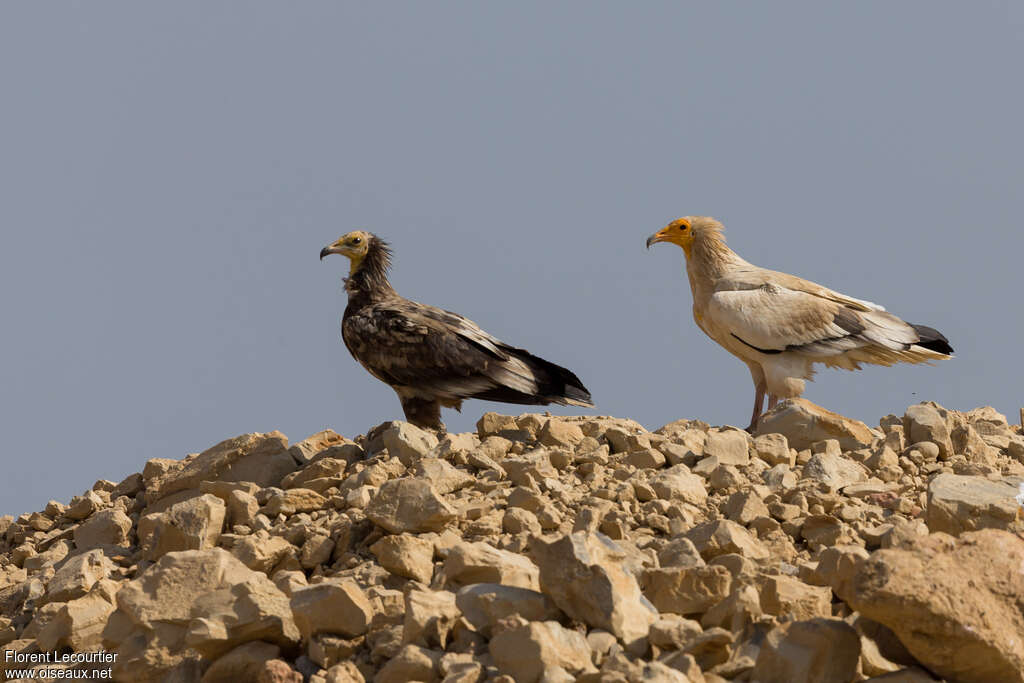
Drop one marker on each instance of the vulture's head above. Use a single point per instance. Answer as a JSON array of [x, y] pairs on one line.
[[354, 245], [686, 230], [367, 253]]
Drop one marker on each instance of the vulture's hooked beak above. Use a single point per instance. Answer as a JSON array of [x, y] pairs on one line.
[[330, 249], [655, 238]]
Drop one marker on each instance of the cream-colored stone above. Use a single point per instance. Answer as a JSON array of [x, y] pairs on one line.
[[583, 574], [332, 606], [526, 650], [406, 555], [803, 423], [409, 505]]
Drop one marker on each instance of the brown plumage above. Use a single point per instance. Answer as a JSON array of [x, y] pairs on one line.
[[432, 357], [780, 325]]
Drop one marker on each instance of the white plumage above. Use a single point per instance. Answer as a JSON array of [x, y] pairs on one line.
[[781, 325]]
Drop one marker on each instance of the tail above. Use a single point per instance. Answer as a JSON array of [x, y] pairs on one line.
[[932, 339], [554, 384]]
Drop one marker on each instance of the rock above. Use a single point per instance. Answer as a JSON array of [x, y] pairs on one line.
[[106, 527], [883, 458], [740, 608], [409, 505], [686, 590], [833, 470], [774, 449], [406, 555], [824, 530], [673, 632], [838, 566], [205, 600], [813, 651], [711, 648], [530, 468], [792, 598], [279, 671], [443, 477], [455, 445], [492, 448], [491, 424], [78, 575], [345, 672], [803, 423], [677, 483], [624, 438], [557, 432], [649, 458], [313, 446], [486, 604], [332, 606], [290, 501], [521, 497], [725, 477], [429, 617], [193, 524], [244, 663], [909, 675], [411, 663], [943, 597], [870, 488], [319, 475], [84, 505], [260, 458], [408, 442], [315, 551], [526, 650], [241, 508], [680, 552], [723, 536], [683, 669], [520, 521], [262, 552], [743, 507], [408, 567], [79, 623], [730, 447], [965, 439], [928, 450], [469, 563], [583, 574], [328, 649], [963, 503], [779, 478], [925, 422], [877, 641]]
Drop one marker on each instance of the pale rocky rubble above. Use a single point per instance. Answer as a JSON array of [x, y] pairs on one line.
[[545, 549]]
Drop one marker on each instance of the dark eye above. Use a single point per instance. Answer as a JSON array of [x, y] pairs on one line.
[[357, 240]]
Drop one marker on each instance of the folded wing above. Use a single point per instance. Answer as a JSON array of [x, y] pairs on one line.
[[437, 352], [818, 323]]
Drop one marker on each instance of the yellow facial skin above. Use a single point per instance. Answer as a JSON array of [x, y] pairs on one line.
[[354, 245], [679, 231]]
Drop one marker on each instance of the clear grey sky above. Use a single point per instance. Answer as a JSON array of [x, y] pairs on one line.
[[169, 172]]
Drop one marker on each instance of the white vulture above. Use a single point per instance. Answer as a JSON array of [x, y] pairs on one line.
[[780, 325]]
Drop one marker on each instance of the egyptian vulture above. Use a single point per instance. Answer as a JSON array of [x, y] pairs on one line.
[[780, 325], [432, 357]]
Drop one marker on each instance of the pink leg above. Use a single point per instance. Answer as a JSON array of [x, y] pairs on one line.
[[758, 403]]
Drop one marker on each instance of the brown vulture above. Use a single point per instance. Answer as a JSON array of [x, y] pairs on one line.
[[432, 357]]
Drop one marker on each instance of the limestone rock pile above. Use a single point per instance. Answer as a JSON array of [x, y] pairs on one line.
[[544, 549]]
